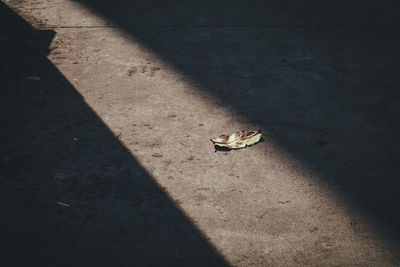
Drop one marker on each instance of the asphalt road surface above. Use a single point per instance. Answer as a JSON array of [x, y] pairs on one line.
[[107, 108]]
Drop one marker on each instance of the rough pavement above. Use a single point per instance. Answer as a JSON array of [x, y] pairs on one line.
[[130, 92]]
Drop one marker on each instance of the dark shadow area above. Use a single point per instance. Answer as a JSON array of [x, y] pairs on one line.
[[305, 65], [71, 195]]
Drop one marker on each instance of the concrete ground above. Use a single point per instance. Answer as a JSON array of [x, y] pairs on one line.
[[107, 108]]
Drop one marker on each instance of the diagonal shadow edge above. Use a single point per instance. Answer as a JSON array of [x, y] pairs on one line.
[[363, 162], [56, 150]]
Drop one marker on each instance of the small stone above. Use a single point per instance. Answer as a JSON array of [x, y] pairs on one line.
[[321, 137]]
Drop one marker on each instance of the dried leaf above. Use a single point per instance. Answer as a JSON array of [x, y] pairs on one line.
[[238, 140]]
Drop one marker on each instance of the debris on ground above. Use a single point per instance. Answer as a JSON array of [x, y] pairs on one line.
[[32, 78], [63, 204], [238, 140], [322, 137]]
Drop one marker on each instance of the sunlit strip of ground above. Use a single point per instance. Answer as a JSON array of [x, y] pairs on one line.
[[258, 205]]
